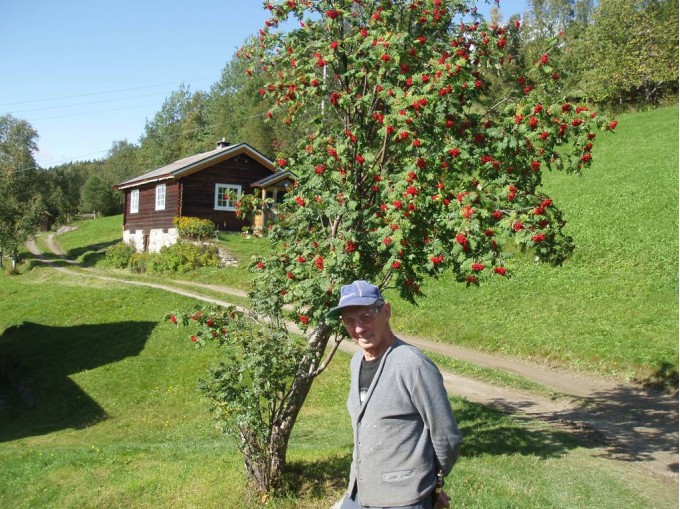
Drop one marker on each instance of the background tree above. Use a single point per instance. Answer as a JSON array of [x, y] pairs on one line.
[[99, 197], [178, 130], [21, 206], [235, 113], [563, 20], [123, 162], [61, 188], [629, 55], [408, 169]]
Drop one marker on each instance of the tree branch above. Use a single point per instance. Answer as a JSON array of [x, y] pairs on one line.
[[336, 344]]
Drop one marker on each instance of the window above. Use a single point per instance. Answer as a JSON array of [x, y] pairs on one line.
[[225, 195], [134, 201], [276, 195], [160, 197]]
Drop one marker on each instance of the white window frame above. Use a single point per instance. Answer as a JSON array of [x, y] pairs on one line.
[[134, 201], [219, 191], [160, 196]]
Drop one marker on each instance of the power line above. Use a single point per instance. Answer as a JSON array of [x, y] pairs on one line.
[[100, 93], [164, 137], [93, 112], [32, 101], [85, 103]]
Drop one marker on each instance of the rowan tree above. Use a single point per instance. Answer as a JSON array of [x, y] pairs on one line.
[[412, 165]]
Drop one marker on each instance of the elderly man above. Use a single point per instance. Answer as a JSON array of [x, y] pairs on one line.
[[405, 434]]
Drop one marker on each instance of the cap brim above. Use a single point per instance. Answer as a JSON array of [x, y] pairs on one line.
[[358, 301]]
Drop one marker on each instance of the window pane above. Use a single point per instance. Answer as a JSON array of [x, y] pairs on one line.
[[160, 197], [225, 194], [134, 201]]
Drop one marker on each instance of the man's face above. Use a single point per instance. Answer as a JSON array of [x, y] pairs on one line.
[[369, 327]]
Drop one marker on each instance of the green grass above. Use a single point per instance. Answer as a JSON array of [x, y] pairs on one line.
[[90, 238], [118, 421]]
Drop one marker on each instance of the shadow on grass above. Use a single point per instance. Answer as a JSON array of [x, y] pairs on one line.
[[90, 256], [43, 357], [627, 423], [664, 378], [93, 253], [47, 259], [490, 432], [318, 479], [640, 424]]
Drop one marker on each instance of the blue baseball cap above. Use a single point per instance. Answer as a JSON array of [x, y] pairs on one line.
[[358, 293]]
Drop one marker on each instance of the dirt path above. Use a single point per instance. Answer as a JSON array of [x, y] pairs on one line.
[[626, 422]]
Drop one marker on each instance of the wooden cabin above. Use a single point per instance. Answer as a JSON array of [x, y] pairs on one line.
[[203, 185]]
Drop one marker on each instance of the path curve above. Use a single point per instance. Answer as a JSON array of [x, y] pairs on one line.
[[628, 422]]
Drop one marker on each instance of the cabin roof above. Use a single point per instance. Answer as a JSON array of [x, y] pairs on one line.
[[197, 162], [275, 178]]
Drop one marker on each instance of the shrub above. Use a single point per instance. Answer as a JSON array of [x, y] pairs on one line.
[[119, 255], [139, 262], [194, 227], [183, 257]]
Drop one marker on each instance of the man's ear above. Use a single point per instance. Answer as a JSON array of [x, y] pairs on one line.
[[387, 309]]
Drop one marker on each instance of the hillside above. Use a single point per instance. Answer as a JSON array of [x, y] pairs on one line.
[[612, 308]]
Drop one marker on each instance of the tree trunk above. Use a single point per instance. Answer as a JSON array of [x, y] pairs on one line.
[[264, 468]]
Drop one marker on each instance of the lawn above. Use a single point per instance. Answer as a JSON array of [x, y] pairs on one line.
[[117, 421]]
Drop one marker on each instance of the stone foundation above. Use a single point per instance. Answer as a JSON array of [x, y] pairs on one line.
[[151, 240]]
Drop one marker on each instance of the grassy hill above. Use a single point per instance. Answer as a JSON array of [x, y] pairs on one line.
[[117, 421], [613, 307]]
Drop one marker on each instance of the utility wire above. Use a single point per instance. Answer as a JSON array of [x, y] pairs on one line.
[[94, 112], [99, 93], [164, 137], [85, 103]]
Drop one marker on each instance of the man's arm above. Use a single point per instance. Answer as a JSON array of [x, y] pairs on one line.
[[432, 401]]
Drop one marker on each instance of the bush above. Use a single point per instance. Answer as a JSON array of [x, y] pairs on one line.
[[183, 257], [180, 257], [139, 262], [119, 255], [194, 227]]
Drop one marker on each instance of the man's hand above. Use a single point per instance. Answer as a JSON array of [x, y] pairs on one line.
[[442, 501]]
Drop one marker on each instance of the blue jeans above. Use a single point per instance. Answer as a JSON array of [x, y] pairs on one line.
[[350, 503]]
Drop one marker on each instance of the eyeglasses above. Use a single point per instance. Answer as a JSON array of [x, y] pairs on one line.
[[364, 318]]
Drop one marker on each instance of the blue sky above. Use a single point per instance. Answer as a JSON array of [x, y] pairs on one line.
[[88, 73]]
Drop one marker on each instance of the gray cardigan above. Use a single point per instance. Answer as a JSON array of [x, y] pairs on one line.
[[404, 430]]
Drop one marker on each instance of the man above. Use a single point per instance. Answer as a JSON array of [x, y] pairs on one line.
[[405, 433]]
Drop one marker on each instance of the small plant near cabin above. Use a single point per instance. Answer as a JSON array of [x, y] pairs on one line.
[[119, 255], [183, 257], [139, 262], [194, 227]]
